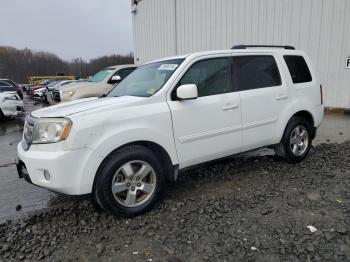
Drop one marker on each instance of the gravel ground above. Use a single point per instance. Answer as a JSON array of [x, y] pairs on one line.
[[255, 208]]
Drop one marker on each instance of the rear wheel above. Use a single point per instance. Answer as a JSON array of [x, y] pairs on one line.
[[129, 182], [296, 141]]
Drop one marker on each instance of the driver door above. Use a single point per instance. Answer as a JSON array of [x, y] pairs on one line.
[[208, 127]]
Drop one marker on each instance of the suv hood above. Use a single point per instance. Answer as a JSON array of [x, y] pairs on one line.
[[81, 105]]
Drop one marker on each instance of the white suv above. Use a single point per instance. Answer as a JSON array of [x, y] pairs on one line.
[[172, 114]]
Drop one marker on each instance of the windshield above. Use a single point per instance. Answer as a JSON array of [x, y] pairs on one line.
[[98, 77], [53, 84], [146, 80]]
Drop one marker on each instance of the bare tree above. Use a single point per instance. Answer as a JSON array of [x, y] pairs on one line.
[[19, 64]]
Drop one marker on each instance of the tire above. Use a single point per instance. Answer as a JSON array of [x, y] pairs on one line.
[[133, 195], [295, 147]]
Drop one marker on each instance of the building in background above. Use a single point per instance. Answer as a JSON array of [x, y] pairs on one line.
[[319, 27]]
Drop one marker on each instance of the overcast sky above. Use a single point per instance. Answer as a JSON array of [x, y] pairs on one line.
[[68, 28]]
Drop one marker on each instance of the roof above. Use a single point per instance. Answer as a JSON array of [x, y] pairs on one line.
[[122, 66], [232, 51]]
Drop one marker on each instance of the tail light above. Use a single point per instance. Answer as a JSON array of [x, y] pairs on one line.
[[321, 93]]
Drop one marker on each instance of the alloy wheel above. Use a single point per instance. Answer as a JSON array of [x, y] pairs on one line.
[[134, 183], [299, 140]]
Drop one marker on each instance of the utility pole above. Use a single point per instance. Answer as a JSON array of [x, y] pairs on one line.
[[81, 67]]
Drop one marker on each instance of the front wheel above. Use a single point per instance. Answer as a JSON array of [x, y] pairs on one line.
[[129, 182], [296, 141]]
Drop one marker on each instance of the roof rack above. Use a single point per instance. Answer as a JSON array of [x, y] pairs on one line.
[[269, 46]]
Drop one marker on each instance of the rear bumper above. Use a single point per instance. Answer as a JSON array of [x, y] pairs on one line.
[[13, 110]]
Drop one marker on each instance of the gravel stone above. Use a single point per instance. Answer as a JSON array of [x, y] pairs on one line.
[[250, 208]]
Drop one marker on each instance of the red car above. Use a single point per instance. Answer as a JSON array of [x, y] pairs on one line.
[[45, 83]]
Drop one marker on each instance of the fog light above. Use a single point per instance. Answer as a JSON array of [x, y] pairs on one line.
[[47, 175]]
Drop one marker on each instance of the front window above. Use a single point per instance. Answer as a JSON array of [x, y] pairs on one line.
[[146, 80], [98, 77]]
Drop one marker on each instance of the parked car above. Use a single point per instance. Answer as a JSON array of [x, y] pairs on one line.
[[53, 94], [38, 94], [43, 84], [10, 105], [172, 114], [7, 85], [101, 83], [48, 89]]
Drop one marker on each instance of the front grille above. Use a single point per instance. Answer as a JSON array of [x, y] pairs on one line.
[[28, 131], [56, 96]]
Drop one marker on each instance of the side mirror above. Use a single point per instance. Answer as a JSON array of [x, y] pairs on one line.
[[186, 92], [115, 79]]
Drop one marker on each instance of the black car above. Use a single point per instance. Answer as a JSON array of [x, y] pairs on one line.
[[7, 85]]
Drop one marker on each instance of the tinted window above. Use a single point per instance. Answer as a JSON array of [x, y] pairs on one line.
[[4, 86], [253, 72], [124, 72], [298, 69], [10, 82], [211, 76]]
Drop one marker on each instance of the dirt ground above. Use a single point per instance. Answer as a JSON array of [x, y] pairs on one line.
[[253, 207]]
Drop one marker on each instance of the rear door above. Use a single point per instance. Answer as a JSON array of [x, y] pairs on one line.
[[263, 97], [208, 127]]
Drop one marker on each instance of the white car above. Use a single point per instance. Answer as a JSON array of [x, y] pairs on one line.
[[10, 105], [169, 115], [38, 94]]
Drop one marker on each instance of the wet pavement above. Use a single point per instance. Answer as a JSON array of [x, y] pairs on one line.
[[14, 192]]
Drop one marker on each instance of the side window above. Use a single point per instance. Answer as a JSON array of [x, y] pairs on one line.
[[211, 76], [298, 69], [124, 72], [4, 84], [6, 87], [253, 72]]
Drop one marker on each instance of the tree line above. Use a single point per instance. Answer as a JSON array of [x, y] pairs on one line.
[[19, 64]]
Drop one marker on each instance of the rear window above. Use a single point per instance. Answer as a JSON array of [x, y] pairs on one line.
[[253, 72], [4, 86], [298, 69]]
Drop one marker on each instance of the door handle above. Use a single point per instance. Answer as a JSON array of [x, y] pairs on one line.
[[282, 97], [229, 106]]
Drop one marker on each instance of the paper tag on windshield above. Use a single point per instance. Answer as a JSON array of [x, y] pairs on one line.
[[170, 67]]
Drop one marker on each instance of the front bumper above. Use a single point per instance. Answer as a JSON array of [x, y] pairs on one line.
[[22, 171], [71, 172]]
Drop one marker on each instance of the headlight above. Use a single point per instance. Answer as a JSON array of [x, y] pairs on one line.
[[51, 130]]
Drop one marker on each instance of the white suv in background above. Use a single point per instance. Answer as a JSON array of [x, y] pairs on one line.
[[172, 114], [10, 105]]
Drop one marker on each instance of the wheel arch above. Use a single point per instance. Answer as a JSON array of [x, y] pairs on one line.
[[303, 114], [170, 170]]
